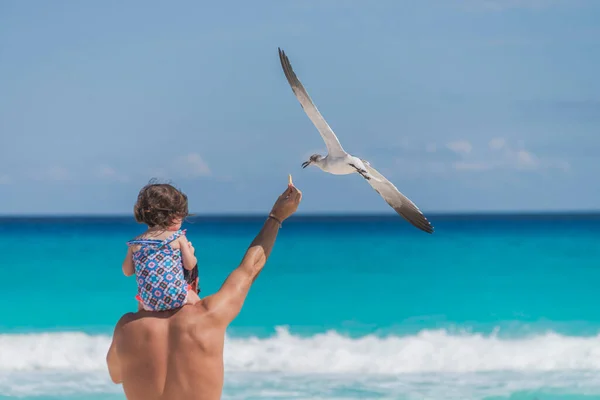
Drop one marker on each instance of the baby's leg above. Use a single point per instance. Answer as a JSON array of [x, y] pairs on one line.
[[192, 297], [141, 306]]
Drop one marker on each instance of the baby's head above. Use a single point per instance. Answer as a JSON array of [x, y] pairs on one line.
[[160, 205]]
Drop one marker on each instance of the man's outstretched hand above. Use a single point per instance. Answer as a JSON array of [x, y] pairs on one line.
[[287, 203]]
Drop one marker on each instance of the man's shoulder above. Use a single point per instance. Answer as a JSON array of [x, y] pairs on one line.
[[186, 315], [125, 320], [135, 322], [193, 313], [195, 318], [133, 326], [130, 316]]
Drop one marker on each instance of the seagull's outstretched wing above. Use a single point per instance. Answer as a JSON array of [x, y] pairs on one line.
[[331, 141], [399, 202]]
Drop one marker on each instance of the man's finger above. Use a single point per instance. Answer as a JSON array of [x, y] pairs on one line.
[[288, 192]]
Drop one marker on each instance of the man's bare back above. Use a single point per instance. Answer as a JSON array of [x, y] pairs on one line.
[[179, 354]]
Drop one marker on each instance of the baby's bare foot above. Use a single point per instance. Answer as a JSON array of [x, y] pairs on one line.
[[192, 297]]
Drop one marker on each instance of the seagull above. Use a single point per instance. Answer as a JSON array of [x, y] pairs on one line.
[[339, 162]]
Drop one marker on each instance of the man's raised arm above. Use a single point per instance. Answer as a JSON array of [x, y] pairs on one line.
[[226, 304]]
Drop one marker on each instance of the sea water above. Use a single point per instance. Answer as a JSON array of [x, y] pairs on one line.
[[488, 307]]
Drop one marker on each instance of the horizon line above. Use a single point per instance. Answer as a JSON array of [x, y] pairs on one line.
[[335, 215]]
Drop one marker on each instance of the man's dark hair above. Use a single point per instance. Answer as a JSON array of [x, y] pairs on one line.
[[191, 276], [159, 204]]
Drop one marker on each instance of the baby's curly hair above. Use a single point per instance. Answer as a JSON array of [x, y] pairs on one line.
[[159, 204]]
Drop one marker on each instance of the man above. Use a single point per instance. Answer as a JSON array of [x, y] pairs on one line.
[[178, 355]]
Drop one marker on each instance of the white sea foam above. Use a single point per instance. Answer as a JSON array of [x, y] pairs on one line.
[[73, 351], [72, 362], [427, 351]]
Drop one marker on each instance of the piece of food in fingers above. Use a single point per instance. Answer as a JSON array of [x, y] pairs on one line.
[[290, 180]]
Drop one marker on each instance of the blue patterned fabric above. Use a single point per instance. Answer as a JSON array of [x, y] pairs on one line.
[[159, 273]]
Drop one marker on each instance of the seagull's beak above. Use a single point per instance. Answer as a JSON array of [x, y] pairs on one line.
[[306, 164]]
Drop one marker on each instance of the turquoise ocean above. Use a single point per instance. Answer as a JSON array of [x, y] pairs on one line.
[[357, 307]]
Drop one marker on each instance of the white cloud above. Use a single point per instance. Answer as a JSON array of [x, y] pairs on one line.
[[192, 165], [158, 173], [471, 166], [526, 159], [497, 143], [506, 156], [53, 173], [4, 179], [462, 156], [518, 158], [106, 172], [460, 146]]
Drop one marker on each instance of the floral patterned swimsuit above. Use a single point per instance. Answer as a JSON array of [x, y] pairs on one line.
[[159, 274]]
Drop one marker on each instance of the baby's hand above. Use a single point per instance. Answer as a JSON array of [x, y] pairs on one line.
[[187, 254]]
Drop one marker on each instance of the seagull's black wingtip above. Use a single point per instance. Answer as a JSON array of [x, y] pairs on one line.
[[428, 227], [423, 225], [428, 230]]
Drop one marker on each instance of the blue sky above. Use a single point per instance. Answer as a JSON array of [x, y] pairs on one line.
[[466, 105]]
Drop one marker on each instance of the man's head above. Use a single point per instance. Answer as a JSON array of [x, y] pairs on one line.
[[160, 205]]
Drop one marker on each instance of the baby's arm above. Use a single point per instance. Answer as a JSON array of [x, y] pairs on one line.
[[128, 268], [187, 254]]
